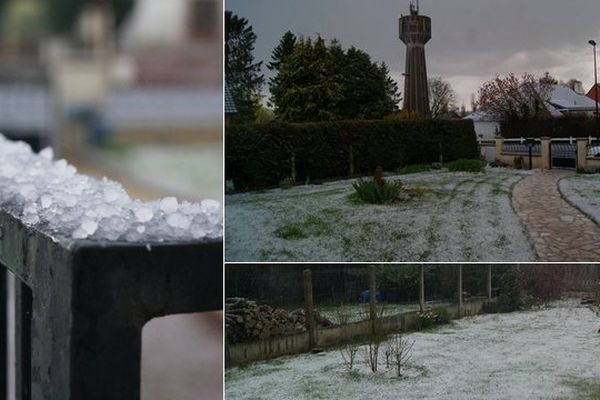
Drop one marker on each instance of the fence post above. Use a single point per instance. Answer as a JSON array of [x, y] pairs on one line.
[[372, 297], [582, 153], [499, 145], [3, 333], [545, 152], [460, 290], [489, 282], [422, 288], [309, 307]]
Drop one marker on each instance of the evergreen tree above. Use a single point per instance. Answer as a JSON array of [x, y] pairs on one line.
[[242, 74], [282, 51], [316, 82], [309, 88]]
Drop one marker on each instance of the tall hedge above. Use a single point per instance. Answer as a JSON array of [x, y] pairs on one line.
[[262, 155], [575, 126]]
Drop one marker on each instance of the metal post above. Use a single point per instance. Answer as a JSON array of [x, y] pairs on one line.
[[309, 307], [489, 282], [460, 290], [23, 304], [372, 297], [422, 289], [593, 43], [3, 333]]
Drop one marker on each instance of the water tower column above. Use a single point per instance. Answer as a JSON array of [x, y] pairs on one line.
[[415, 32]]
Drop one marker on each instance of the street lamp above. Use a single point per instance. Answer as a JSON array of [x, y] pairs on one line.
[[593, 43]]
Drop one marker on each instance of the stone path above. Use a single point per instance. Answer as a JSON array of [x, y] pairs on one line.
[[561, 233]]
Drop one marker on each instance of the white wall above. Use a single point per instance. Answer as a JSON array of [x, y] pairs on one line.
[[487, 129]]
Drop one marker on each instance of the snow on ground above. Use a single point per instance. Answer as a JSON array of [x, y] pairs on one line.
[[583, 191], [548, 354], [50, 195], [461, 217]]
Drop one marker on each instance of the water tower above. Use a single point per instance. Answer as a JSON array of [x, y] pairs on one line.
[[415, 31]]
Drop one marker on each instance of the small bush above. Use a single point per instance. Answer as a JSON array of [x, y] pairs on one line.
[[465, 165], [442, 315], [414, 168], [431, 318], [518, 162], [374, 193]]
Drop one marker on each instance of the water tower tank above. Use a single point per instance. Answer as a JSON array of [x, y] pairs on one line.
[[415, 32]]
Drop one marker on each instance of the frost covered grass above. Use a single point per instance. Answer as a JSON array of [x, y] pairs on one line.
[[460, 217], [548, 354], [583, 191], [50, 195]]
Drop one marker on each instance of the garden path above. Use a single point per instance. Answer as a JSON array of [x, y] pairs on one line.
[[560, 232]]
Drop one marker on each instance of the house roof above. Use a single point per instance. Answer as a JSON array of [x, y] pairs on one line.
[[564, 99], [230, 107], [479, 116]]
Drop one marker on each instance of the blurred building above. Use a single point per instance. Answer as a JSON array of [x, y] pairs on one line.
[[158, 79]]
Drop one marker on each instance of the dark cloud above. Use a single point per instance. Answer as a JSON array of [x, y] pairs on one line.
[[472, 39]]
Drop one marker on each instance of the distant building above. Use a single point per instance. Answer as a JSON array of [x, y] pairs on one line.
[[485, 126], [563, 102]]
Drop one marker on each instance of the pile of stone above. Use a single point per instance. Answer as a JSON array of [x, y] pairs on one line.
[[246, 321]]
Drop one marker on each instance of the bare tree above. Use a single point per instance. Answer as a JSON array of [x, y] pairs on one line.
[[349, 349], [376, 337], [512, 97], [400, 352], [442, 98]]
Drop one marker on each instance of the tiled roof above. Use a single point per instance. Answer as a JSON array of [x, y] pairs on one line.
[[230, 107]]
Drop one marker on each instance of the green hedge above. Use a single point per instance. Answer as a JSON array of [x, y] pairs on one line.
[[262, 155], [575, 126]]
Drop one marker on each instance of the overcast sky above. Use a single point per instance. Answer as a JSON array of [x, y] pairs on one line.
[[472, 39]]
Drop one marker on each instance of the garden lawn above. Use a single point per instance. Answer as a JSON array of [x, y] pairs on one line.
[[583, 191], [461, 217], [548, 354]]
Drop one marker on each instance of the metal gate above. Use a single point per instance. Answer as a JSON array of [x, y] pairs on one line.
[[563, 153]]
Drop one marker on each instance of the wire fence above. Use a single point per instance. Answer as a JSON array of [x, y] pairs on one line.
[[398, 286]]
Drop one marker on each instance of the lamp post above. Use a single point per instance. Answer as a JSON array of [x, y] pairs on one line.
[[593, 43]]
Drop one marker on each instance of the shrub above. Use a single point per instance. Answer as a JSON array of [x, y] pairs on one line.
[[262, 155], [465, 165], [518, 162], [431, 318], [442, 315], [374, 193], [414, 168], [426, 320]]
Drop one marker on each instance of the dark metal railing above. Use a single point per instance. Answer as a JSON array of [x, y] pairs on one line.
[[519, 146], [80, 310]]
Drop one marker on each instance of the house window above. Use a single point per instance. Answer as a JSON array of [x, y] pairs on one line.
[[203, 19]]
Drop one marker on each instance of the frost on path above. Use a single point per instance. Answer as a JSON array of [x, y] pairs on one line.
[[50, 195]]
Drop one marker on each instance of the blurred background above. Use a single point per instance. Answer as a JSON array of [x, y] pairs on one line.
[[130, 90]]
